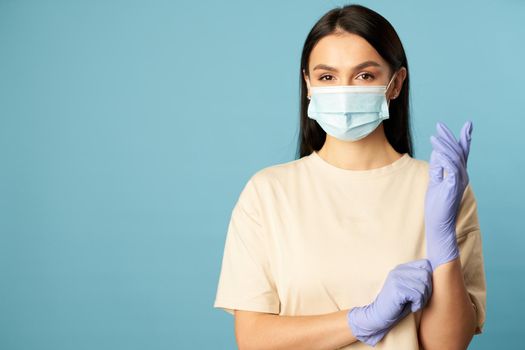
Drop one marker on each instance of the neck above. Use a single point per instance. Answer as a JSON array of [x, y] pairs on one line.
[[373, 151]]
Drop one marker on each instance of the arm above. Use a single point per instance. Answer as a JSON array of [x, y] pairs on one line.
[[406, 289], [246, 283], [254, 330], [449, 320]]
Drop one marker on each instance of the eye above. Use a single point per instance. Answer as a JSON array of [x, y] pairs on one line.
[[366, 74], [326, 75]]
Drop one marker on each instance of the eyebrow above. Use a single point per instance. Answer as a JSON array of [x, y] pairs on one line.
[[359, 66]]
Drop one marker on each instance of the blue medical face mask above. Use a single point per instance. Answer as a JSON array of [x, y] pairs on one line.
[[349, 112]]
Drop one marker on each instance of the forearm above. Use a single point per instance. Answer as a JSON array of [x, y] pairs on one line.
[[449, 320], [327, 331]]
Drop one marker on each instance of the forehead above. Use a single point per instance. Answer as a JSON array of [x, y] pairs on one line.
[[343, 51]]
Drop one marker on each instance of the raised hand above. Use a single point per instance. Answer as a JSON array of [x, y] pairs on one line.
[[407, 288], [444, 192]]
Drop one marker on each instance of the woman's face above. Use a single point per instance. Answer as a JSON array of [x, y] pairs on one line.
[[348, 59]]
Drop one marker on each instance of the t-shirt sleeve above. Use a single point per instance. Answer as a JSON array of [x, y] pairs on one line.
[[245, 281], [471, 254]]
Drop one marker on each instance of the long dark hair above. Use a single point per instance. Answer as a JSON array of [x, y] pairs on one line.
[[374, 28]]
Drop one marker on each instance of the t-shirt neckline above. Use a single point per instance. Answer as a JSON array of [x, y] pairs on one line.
[[360, 174]]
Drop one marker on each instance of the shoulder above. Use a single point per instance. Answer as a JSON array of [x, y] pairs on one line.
[[279, 173], [273, 181], [419, 164], [418, 169]]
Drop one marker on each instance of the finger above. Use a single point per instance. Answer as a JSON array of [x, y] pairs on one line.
[[448, 164], [406, 310], [414, 282], [427, 266], [435, 168], [425, 289], [430, 281], [425, 278], [416, 305], [441, 146], [413, 293], [464, 139], [424, 286], [448, 137], [444, 131], [417, 274], [429, 289], [440, 161], [453, 147], [417, 279]]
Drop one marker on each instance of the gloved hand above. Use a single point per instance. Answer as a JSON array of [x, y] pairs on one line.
[[406, 289], [444, 193]]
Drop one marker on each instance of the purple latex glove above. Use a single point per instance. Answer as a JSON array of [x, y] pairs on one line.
[[406, 289], [444, 192]]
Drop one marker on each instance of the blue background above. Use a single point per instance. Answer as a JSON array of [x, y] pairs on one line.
[[128, 129]]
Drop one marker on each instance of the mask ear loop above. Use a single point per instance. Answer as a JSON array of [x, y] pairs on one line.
[[390, 82], [386, 89]]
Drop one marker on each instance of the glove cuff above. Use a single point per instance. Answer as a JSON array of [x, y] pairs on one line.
[[443, 251]]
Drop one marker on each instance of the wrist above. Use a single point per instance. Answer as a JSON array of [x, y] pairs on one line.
[[362, 325], [442, 250]]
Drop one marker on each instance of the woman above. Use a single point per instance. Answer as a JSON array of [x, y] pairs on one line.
[[356, 244]]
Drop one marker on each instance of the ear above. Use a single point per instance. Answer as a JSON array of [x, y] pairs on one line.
[[307, 80], [398, 81]]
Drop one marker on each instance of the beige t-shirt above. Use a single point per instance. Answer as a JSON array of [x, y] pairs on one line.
[[308, 238]]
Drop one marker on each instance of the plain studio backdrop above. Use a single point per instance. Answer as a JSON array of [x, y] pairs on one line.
[[128, 129]]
